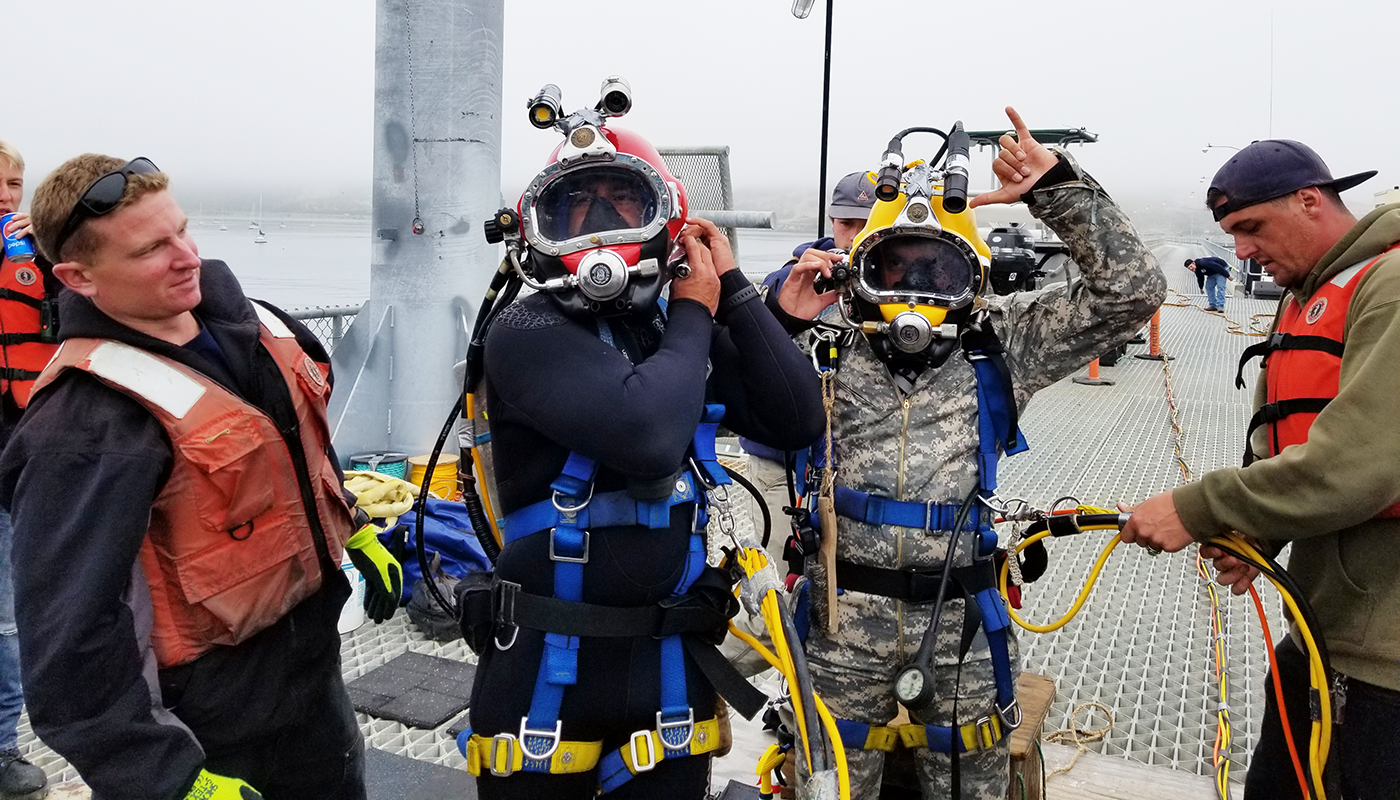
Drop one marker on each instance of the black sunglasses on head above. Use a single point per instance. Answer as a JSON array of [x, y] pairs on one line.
[[101, 196]]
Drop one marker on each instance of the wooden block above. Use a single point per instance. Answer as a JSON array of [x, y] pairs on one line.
[[826, 516], [1036, 693]]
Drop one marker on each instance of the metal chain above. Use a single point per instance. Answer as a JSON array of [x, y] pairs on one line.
[[412, 119]]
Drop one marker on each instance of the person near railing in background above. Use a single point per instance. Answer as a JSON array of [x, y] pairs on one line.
[[23, 288], [179, 517], [1200, 276], [1212, 274], [1323, 480]]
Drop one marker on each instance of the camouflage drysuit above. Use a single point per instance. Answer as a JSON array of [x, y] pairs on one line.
[[923, 447]]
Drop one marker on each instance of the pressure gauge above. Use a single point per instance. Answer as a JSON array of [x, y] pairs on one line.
[[913, 686]]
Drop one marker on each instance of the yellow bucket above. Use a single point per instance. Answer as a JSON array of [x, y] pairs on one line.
[[444, 483]]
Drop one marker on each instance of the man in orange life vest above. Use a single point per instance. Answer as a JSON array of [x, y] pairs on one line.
[[1322, 464], [179, 517], [25, 347]]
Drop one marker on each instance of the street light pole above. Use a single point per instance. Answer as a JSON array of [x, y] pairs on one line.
[[800, 9]]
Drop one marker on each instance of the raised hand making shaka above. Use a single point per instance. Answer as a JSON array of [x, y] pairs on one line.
[[1020, 164]]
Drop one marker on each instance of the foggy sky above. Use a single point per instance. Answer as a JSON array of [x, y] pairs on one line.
[[279, 94]]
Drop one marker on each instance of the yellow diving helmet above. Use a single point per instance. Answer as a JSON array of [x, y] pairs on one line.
[[918, 262]]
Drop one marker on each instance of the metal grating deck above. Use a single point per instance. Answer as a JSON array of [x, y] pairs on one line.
[[1140, 644]]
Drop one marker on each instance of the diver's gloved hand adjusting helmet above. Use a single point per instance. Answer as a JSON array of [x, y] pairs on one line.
[[599, 221]]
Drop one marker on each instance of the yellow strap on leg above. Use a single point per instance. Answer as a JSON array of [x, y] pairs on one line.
[[500, 755], [639, 756], [984, 734], [882, 737]]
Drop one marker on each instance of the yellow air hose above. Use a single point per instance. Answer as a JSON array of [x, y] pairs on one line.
[[1083, 593], [1320, 742], [828, 722], [751, 560]]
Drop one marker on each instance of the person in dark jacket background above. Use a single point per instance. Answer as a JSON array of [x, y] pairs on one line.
[[1211, 275], [177, 591]]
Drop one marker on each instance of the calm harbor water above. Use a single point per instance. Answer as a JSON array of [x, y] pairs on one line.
[[326, 261]]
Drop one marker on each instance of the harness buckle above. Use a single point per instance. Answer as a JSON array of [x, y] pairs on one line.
[[687, 724], [648, 746], [986, 734], [1011, 715], [501, 757], [551, 737], [505, 613], [1276, 340], [554, 555]]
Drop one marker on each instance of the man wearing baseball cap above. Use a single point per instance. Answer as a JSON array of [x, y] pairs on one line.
[[850, 206], [1321, 457]]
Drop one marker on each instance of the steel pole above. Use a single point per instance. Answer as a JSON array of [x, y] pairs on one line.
[[437, 133], [826, 123]]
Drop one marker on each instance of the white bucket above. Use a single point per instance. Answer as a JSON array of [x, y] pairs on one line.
[[352, 615]]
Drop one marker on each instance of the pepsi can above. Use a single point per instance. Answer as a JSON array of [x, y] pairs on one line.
[[18, 249]]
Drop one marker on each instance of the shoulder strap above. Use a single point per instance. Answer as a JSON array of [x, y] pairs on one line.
[[998, 426], [20, 297], [271, 321], [1285, 341]]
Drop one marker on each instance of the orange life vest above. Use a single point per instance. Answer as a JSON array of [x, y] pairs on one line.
[[23, 352], [230, 547], [1303, 364]]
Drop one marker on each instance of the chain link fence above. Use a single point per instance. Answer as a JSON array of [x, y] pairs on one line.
[[329, 323], [704, 171]]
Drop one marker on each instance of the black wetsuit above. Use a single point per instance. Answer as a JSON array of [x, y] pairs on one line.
[[553, 386]]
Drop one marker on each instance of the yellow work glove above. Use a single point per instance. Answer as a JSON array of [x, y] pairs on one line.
[[209, 786], [383, 575]]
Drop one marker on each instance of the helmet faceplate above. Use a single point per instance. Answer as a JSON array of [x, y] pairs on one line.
[[606, 210], [914, 255]]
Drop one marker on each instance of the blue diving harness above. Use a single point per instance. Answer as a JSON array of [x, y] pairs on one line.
[[568, 517], [997, 431]]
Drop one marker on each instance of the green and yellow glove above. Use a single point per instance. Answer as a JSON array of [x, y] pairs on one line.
[[383, 575], [209, 786]]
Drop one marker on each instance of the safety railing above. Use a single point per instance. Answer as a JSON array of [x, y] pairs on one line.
[[705, 173], [329, 323]]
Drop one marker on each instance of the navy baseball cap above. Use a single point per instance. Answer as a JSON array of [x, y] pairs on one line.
[[853, 196], [1273, 168]]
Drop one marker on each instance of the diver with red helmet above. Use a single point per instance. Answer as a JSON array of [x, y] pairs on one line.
[[599, 670]]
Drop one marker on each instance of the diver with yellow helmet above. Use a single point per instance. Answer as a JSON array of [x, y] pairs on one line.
[[917, 652]]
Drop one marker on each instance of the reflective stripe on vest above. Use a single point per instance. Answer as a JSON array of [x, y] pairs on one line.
[[229, 548], [24, 355], [1299, 382]]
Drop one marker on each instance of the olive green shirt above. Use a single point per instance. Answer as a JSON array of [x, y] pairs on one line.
[[1323, 495]]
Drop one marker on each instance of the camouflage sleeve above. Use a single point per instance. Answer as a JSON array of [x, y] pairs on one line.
[[1051, 333]]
